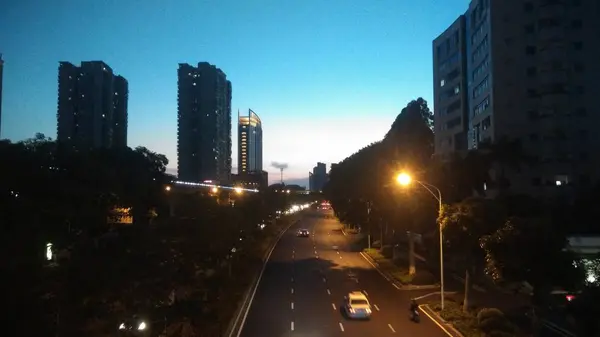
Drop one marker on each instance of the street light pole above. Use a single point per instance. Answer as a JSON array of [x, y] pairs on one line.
[[438, 197], [405, 180]]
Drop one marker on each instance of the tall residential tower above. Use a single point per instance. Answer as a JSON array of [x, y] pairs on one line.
[[203, 123], [524, 71], [249, 143], [92, 106], [1, 71]]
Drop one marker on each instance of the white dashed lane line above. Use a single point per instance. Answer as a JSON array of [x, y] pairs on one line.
[[366, 293], [376, 307], [328, 292], [292, 290], [324, 279], [341, 327], [333, 305], [292, 305], [292, 280], [391, 328], [292, 326]]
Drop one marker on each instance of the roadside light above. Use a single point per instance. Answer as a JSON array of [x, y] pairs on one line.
[[167, 188], [403, 179], [49, 251], [238, 190], [214, 189]]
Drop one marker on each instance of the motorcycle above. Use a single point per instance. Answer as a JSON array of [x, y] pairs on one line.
[[415, 317]]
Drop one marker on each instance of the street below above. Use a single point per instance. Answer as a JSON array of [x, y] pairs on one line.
[[306, 279]]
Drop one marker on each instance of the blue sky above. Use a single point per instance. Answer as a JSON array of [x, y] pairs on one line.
[[327, 77]]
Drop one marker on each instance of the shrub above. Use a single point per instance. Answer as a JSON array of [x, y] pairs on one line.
[[486, 313], [500, 334]]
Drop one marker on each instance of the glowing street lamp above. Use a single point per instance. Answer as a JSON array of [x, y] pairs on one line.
[[167, 188], [238, 190], [404, 179], [215, 189]]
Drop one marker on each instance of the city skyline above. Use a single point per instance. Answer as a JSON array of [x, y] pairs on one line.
[[354, 77]]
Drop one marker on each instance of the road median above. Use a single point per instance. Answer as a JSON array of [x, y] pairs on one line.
[[395, 273]]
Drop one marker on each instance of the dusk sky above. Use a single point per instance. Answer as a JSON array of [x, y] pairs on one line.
[[327, 77]]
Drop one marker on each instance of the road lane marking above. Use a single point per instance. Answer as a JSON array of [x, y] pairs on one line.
[[243, 313], [328, 292], [394, 284], [292, 326], [376, 307], [324, 279], [316, 252], [338, 252], [292, 279], [434, 320], [317, 256], [333, 305], [340, 256], [292, 305], [341, 327], [366, 293], [391, 328], [292, 290]]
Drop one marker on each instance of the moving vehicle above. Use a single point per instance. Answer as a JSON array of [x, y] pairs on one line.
[[356, 305], [303, 233]]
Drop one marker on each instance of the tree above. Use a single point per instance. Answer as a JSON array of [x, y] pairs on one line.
[[463, 224], [531, 250]]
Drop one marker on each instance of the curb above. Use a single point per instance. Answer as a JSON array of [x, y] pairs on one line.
[[235, 326], [447, 327]]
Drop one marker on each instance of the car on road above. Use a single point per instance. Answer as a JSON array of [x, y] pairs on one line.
[[356, 305], [302, 233]]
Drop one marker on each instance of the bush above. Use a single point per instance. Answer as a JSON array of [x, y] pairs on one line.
[[486, 313], [492, 320], [500, 334]]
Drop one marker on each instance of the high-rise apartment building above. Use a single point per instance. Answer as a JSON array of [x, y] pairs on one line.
[[120, 115], [528, 71], [92, 106], [204, 123], [250, 146], [317, 178], [1, 74]]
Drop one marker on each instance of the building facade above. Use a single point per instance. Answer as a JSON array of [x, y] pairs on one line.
[[87, 97], [531, 69], [449, 90], [203, 124], [317, 178], [121, 114], [250, 143], [1, 74]]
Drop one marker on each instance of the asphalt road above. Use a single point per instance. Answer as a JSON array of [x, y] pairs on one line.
[[304, 284]]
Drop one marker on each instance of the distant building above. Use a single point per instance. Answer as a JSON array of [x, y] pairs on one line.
[[203, 124], [92, 106], [258, 180], [524, 71], [250, 146], [317, 178], [1, 71], [120, 115]]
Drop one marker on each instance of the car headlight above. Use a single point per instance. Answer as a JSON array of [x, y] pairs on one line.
[[122, 326], [142, 326]]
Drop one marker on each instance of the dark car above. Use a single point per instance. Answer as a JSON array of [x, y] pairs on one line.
[[303, 233]]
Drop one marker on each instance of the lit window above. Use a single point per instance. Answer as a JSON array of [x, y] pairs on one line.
[[442, 83]]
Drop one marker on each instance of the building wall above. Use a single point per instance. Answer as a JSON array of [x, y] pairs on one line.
[[449, 90], [318, 178], [531, 70], [86, 105], [249, 143], [121, 115], [204, 124], [1, 75]]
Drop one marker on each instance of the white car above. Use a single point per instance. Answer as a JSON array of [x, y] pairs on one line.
[[356, 305]]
